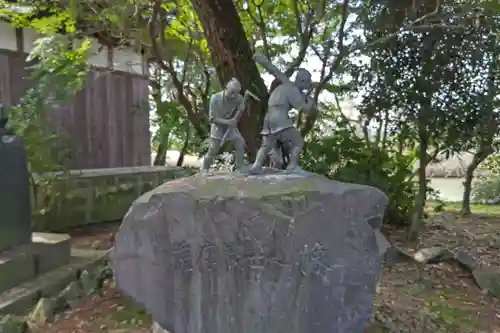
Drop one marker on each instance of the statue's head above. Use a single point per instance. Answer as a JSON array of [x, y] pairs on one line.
[[303, 79], [233, 88]]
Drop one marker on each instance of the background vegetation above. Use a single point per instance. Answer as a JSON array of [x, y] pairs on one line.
[[424, 72]]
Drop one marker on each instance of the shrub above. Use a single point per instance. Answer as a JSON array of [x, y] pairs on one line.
[[487, 190], [346, 157]]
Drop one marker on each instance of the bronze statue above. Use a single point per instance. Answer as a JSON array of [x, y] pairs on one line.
[[226, 109], [277, 124]]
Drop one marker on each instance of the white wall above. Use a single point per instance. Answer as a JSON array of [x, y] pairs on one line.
[[8, 37], [124, 59]]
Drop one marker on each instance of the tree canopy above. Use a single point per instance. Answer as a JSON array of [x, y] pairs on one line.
[[424, 73]]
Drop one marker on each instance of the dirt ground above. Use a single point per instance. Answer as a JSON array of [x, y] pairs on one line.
[[412, 298]]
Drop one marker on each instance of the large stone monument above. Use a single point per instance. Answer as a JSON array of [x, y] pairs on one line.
[[274, 253]]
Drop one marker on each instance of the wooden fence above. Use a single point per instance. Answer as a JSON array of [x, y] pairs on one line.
[[106, 125]]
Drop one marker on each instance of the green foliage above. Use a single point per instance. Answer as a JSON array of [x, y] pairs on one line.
[[57, 73], [492, 164], [487, 190], [171, 124], [347, 157], [57, 70], [23, 15]]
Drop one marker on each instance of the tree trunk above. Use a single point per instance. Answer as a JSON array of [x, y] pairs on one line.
[[487, 130], [478, 158], [469, 175], [161, 155], [418, 212], [185, 145], [232, 57]]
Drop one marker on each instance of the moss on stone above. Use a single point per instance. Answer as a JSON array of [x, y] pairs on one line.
[[61, 203]]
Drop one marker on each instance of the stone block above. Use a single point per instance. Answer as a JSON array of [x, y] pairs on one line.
[[16, 266], [93, 196], [52, 250], [21, 298], [279, 252]]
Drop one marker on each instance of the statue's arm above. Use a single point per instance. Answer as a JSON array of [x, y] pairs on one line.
[[298, 100], [213, 114]]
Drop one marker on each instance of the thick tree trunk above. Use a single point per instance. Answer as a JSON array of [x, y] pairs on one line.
[[232, 57]]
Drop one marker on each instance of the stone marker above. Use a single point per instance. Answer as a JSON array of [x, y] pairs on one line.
[[15, 209], [274, 253]]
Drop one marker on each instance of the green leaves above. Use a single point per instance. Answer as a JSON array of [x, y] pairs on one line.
[[59, 73]]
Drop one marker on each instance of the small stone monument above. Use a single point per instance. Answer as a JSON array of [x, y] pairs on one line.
[[15, 220], [278, 252]]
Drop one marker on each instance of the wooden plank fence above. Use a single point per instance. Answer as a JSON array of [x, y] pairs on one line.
[[106, 125]]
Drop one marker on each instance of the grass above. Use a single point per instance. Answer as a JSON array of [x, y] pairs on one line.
[[455, 207]]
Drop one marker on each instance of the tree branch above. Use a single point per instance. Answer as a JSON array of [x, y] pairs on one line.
[[340, 48], [414, 24], [167, 65], [185, 61], [304, 36], [259, 22], [312, 116]]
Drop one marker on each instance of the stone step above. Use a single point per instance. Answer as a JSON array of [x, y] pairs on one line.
[[22, 263], [52, 250], [21, 298], [16, 265]]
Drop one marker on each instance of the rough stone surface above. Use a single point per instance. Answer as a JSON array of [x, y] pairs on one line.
[[156, 328], [16, 265], [52, 250], [271, 253], [432, 255], [487, 278], [465, 260], [24, 296], [43, 312], [15, 222], [70, 296]]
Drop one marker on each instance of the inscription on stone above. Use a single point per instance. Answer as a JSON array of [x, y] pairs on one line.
[[314, 261], [208, 255], [181, 253]]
